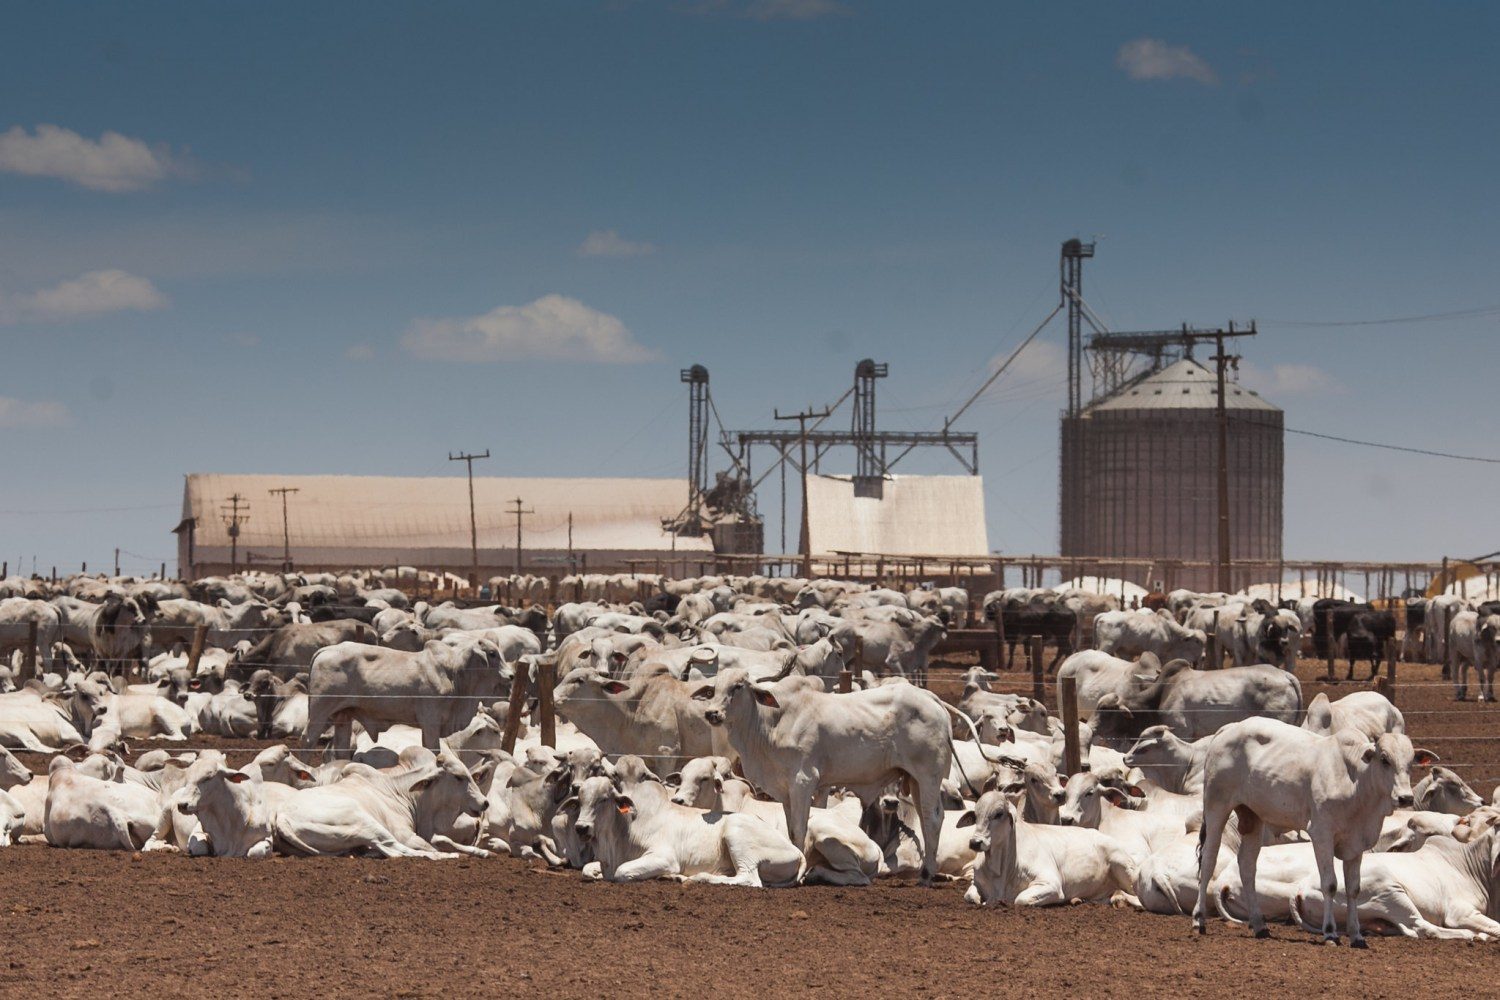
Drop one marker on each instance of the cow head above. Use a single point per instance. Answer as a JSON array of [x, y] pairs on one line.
[[993, 819], [447, 791], [600, 805], [733, 692], [209, 777], [1445, 792], [699, 782], [1084, 796], [1390, 759]]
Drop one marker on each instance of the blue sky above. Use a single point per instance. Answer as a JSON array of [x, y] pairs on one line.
[[353, 237]]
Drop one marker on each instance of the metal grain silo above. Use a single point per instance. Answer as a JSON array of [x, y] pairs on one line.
[[1139, 477]]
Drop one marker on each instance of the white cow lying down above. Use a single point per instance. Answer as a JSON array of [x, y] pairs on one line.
[[838, 852], [1028, 864], [646, 836]]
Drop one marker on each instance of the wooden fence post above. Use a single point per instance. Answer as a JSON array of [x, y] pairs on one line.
[[1449, 673], [195, 651], [1329, 641], [546, 680], [30, 670], [1067, 697], [517, 702], [1390, 670], [1038, 690], [846, 681], [1212, 658]]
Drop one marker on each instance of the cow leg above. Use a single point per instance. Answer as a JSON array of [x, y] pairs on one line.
[[1250, 844], [343, 737], [1323, 855], [651, 866], [1461, 682], [1041, 894], [930, 808], [1351, 899], [1210, 836], [798, 806]]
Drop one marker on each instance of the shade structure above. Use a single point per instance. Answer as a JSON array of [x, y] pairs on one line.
[[914, 516]]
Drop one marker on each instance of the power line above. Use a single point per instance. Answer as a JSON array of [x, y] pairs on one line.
[[1395, 447], [1479, 312]]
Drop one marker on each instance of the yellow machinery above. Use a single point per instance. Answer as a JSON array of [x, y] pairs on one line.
[[1456, 570]]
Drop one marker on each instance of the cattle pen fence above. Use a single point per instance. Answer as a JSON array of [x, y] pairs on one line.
[[1459, 728]]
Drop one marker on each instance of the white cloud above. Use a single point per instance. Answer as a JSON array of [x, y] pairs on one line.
[[359, 352], [1154, 59], [1041, 360], [113, 162], [553, 328], [609, 243], [93, 294], [1289, 380], [40, 413]]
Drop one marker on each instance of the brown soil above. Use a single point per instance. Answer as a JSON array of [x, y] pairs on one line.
[[87, 923]]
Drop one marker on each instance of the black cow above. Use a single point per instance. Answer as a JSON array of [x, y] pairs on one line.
[[1022, 620], [1361, 628]]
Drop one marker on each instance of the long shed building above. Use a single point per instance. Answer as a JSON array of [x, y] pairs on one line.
[[353, 522]]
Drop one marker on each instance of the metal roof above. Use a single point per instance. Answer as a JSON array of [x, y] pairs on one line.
[[916, 515], [1182, 385], [360, 513]]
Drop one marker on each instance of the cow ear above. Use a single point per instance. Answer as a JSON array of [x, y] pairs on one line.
[[1135, 791], [1113, 795], [614, 687], [967, 819], [704, 693], [303, 775], [571, 802], [1425, 758], [765, 697], [1369, 754], [625, 804], [673, 780], [236, 777]]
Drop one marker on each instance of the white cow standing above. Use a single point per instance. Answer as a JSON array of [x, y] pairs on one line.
[[794, 740], [1339, 788]]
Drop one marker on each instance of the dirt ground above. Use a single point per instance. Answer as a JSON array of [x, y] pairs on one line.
[[86, 923]]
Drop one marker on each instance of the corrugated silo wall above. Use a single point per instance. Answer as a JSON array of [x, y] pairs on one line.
[[1142, 484]]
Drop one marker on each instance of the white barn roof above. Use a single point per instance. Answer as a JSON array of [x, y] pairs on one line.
[[916, 516], [370, 520]]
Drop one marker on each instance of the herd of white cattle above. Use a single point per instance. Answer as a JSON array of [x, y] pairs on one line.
[[701, 735]]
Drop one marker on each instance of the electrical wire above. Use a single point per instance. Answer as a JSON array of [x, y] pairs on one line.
[[1476, 313], [1396, 447]]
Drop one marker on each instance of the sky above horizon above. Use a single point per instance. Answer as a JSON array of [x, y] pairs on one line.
[[351, 238]]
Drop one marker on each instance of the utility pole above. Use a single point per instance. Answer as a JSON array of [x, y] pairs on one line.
[[117, 562], [235, 513], [518, 513], [286, 532], [1221, 363], [804, 546], [571, 567], [473, 523]]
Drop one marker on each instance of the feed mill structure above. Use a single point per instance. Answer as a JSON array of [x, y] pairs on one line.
[[1139, 478]]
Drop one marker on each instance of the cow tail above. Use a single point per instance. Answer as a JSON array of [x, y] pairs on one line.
[[974, 730]]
